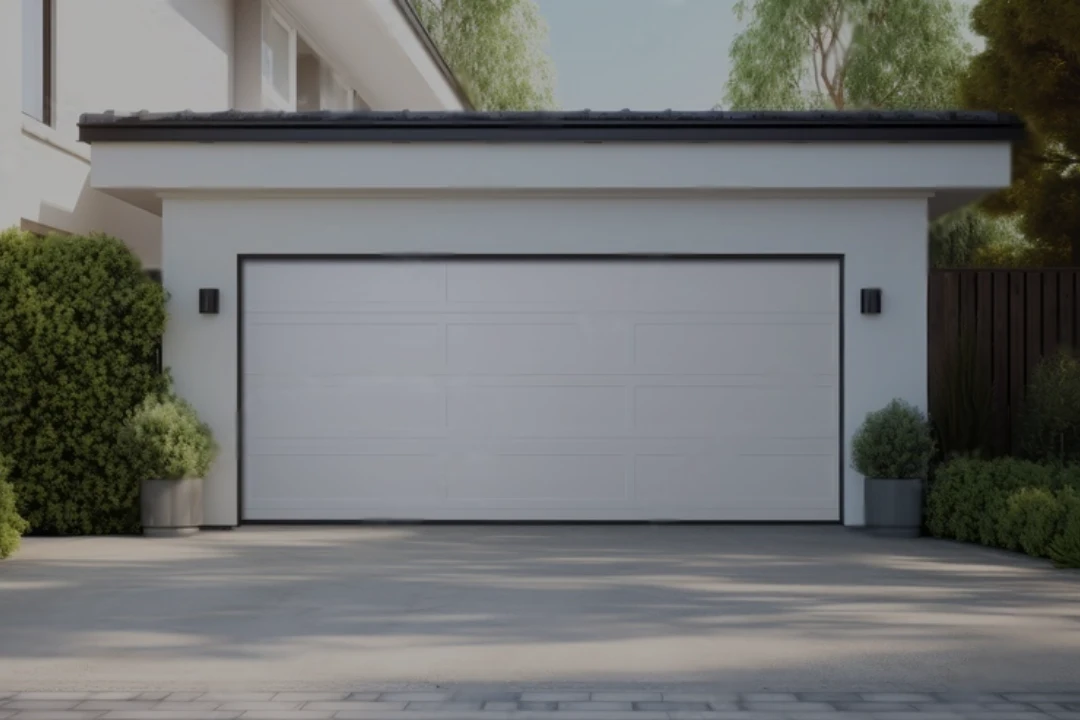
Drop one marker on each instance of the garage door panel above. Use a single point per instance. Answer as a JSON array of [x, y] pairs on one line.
[[537, 476], [658, 286], [746, 411], [341, 287], [764, 287], [737, 348], [300, 350], [780, 482], [553, 411], [594, 346], [553, 390], [322, 480], [291, 408], [542, 284]]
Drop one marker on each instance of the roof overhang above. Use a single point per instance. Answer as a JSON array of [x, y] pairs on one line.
[[951, 158]]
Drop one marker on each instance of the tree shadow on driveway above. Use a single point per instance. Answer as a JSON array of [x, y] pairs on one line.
[[742, 606]]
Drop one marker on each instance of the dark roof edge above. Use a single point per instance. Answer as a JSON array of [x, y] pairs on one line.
[[405, 7], [531, 127]]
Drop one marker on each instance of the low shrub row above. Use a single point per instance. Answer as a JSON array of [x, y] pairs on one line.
[[1009, 503]]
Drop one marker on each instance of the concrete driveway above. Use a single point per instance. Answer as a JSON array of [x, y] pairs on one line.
[[746, 608]]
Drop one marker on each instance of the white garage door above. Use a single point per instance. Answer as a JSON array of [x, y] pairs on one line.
[[495, 389]]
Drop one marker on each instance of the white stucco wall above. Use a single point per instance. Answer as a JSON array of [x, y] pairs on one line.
[[881, 238], [125, 55]]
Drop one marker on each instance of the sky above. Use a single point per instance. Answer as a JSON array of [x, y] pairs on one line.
[[640, 54]]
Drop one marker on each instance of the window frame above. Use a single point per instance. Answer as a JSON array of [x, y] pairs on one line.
[[47, 80], [266, 74]]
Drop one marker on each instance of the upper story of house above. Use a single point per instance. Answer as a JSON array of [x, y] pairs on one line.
[[90, 55], [61, 58]]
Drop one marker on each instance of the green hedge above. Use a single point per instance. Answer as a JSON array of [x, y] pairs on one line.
[[79, 324], [12, 526], [1009, 503]]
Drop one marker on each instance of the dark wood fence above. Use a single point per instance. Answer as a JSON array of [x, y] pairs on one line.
[[1013, 317]]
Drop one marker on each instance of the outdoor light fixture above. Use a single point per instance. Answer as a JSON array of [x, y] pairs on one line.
[[871, 301], [208, 301]]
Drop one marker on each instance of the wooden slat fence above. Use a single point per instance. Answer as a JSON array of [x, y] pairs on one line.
[[1014, 318]]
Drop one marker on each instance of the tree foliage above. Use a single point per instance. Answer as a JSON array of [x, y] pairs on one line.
[[496, 48], [1031, 66], [971, 237], [846, 54]]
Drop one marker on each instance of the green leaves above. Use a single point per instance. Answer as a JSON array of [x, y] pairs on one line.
[[1050, 421], [1031, 66], [846, 54], [79, 325], [894, 442], [12, 526], [1008, 503], [164, 438], [496, 48]]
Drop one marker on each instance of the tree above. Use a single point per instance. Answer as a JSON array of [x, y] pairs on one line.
[[969, 237], [846, 54], [1031, 66], [495, 48]]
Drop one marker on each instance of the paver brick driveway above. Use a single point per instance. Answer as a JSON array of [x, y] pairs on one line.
[[745, 608]]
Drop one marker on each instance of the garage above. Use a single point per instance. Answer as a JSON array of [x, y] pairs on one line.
[[557, 316], [541, 389]]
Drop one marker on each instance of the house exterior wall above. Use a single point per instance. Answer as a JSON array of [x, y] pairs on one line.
[[125, 55], [882, 240], [131, 55]]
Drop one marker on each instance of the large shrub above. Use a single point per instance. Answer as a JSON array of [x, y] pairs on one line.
[[1008, 503], [79, 324], [894, 442], [12, 526], [1050, 419], [164, 438]]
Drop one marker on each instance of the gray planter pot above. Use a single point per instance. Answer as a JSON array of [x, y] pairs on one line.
[[172, 508], [894, 508]]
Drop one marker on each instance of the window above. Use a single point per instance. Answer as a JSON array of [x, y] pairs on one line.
[[278, 54], [37, 16], [335, 95]]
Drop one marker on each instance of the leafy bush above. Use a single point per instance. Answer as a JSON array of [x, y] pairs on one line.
[[1050, 419], [1009, 503], [1064, 550], [962, 405], [164, 438], [1031, 520], [79, 325], [969, 497], [893, 442], [12, 526]]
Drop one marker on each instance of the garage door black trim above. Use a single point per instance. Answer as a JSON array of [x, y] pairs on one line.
[[503, 257]]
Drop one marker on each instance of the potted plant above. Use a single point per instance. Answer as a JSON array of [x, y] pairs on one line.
[[892, 450], [173, 451]]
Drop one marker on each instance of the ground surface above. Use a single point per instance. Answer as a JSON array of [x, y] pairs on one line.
[[716, 609]]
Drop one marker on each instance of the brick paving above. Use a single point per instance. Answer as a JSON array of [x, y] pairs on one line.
[[573, 704]]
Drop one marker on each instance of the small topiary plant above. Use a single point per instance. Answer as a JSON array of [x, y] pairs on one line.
[[894, 442], [1050, 419], [12, 526], [164, 438]]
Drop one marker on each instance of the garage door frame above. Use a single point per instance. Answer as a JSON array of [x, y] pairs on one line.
[[243, 258]]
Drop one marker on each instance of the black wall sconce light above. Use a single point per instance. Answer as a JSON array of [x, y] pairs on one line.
[[208, 301], [871, 301]]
